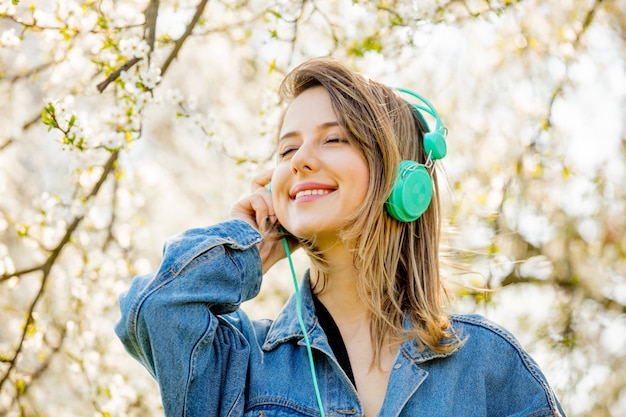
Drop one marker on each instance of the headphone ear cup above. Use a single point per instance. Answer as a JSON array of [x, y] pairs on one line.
[[411, 193], [435, 145]]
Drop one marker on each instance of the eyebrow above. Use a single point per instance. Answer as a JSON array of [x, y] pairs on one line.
[[323, 126]]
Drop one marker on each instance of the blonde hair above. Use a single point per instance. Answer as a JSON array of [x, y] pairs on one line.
[[399, 261]]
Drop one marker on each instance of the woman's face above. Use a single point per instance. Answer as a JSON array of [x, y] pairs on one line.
[[321, 178]]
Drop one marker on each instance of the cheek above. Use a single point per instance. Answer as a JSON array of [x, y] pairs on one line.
[[363, 188], [280, 191], [363, 183], [277, 180]]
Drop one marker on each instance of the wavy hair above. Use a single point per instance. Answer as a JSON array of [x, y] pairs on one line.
[[399, 262]]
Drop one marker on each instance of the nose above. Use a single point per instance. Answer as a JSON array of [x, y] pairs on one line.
[[305, 159]]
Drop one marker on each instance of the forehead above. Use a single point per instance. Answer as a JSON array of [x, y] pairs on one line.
[[311, 108]]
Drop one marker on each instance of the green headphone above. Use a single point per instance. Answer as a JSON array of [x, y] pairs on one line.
[[413, 190]]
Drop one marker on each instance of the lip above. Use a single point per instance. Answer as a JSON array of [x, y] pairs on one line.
[[304, 186]]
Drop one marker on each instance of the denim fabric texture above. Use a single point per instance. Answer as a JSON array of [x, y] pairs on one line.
[[185, 326]]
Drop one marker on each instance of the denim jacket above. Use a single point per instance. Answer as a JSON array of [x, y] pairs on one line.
[[185, 326]]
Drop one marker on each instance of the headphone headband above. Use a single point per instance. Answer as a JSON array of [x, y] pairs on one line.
[[434, 140], [413, 190]]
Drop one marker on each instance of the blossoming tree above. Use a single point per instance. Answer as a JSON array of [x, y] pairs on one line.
[[125, 121]]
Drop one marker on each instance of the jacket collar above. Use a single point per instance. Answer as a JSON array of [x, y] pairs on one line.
[[287, 327], [287, 324]]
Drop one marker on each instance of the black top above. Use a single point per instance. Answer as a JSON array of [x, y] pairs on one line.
[[334, 338]]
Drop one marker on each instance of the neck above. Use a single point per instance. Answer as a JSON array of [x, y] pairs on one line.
[[339, 287]]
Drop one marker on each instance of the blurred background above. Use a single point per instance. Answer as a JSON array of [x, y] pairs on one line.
[[124, 122]]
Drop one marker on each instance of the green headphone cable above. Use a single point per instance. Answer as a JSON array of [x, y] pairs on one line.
[[304, 332]]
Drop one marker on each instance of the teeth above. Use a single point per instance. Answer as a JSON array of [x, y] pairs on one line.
[[311, 192]]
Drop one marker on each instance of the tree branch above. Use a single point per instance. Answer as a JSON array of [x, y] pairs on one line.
[[32, 71], [179, 42], [6, 144], [608, 303], [115, 74], [43, 367], [46, 267], [151, 13], [26, 126], [588, 20]]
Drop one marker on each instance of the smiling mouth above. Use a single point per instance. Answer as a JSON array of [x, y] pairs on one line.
[[305, 193]]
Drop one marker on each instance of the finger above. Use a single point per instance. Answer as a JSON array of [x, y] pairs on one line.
[[264, 193], [250, 208], [261, 209], [262, 179]]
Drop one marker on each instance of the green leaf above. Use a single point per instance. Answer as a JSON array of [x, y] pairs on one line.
[[396, 20], [22, 230], [20, 386], [102, 22], [370, 43]]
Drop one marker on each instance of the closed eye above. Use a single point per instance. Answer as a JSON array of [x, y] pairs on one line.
[[286, 152], [336, 140]]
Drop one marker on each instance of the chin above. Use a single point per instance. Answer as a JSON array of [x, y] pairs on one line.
[[303, 234]]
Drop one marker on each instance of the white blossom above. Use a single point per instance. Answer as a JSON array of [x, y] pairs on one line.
[[67, 9], [142, 99], [9, 39], [134, 47], [131, 87], [64, 109], [127, 77], [501, 266], [151, 77], [114, 140], [173, 95], [45, 19], [7, 8], [539, 267], [81, 130], [192, 102]]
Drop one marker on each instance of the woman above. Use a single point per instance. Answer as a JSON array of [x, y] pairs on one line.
[[377, 341]]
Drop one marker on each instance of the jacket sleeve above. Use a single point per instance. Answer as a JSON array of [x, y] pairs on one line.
[[171, 321]]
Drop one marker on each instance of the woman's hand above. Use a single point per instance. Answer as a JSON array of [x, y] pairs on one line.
[[257, 210]]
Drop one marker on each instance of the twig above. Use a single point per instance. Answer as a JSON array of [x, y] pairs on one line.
[[6, 144], [151, 13], [26, 125], [44, 366], [179, 42], [115, 74], [46, 267], [588, 20]]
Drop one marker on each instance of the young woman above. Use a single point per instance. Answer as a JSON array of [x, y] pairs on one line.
[[376, 339]]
